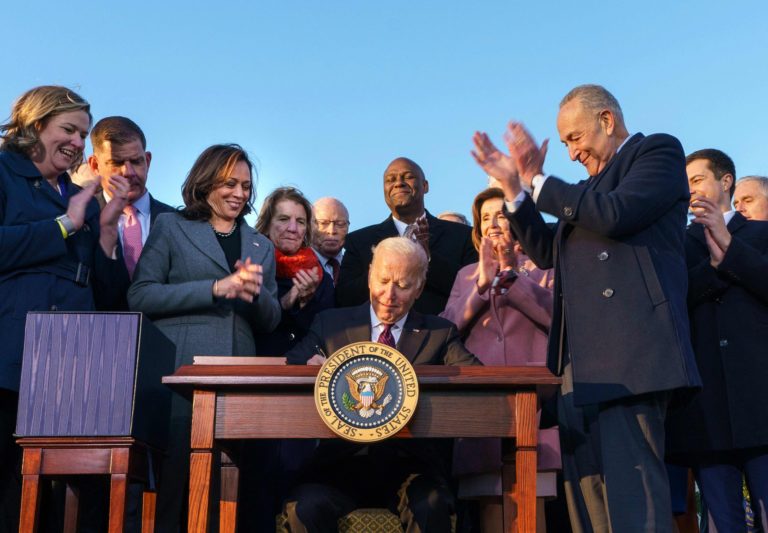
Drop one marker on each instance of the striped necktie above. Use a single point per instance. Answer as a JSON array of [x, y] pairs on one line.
[[386, 337]]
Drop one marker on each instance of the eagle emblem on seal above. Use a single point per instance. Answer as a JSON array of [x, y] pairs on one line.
[[367, 385]]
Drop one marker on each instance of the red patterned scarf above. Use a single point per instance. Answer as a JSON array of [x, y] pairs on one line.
[[289, 265]]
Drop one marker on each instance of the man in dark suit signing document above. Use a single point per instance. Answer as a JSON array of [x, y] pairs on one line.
[[409, 474]]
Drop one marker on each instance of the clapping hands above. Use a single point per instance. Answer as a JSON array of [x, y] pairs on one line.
[[708, 214], [305, 283], [244, 283], [513, 171]]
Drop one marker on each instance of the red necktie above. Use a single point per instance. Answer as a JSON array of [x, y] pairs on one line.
[[335, 268], [131, 239], [386, 337]]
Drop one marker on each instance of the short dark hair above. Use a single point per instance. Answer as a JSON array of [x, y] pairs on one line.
[[719, 163], [216, 162], [269, 208], [117, 130]]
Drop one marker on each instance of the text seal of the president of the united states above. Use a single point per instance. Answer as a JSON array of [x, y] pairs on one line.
[[366, 392]]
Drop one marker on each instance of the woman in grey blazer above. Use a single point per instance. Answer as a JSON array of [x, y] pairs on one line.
[[207, 280]]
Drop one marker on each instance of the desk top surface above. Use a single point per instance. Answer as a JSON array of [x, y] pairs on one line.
[[249, 376]]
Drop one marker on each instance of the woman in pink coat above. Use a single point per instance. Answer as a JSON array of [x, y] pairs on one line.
[[503, 307]]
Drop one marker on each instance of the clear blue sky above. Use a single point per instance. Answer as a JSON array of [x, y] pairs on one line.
[[325, 94]]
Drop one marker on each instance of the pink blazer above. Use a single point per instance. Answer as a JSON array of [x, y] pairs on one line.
[[503, 330], [509, 329]]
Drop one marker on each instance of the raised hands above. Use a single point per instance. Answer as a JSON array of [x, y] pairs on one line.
[[78, 203], [718, 238], [496, 164], [305, 284], [527, 155], [488, 266], [244, 283], [505, 251], [418, 232], [118, 189]]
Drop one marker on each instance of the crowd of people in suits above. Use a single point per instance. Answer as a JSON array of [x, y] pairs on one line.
[[647, 295]]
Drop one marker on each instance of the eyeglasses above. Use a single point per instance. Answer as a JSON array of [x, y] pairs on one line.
[[341, 224]]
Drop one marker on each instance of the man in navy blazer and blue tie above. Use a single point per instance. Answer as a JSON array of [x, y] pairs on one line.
[[620, 334]]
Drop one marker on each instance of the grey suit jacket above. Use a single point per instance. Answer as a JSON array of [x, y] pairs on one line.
[[173, 281]]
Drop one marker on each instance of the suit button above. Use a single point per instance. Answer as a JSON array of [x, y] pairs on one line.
[[603, 256], [54, 308], [723, 343], [568, 211], [608, 292], [291, 336]]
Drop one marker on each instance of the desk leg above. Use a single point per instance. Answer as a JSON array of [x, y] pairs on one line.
[[148, 509], [118, 489], [71, 506], [201, 460], [526, 432], [30, 490], [230, 475]]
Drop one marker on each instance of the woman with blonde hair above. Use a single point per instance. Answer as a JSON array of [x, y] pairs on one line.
[[56, 247]]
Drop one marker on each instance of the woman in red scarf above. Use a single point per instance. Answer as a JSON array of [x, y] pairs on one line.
[[302, 286]]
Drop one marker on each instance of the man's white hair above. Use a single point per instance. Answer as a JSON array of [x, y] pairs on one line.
[[407, 249], [762, 182]]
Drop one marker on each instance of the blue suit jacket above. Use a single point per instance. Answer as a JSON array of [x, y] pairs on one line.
[[37, 265], [729, 327], [620, 273]]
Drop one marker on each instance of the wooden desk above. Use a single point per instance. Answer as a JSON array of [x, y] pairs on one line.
[[253, 402]]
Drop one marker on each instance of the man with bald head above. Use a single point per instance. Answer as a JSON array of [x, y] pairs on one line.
[[620, 332], [448, 245], [330, 220], [751, 197]]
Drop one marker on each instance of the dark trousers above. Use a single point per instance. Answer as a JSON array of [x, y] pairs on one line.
[[172, 490], [721, 489], [613, 462]]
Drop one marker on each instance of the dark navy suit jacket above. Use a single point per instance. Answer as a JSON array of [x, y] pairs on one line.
[[120, 303], [620, 272], [38, 267], [729, 327]]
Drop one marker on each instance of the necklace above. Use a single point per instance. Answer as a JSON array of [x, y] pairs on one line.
[[224, 235]]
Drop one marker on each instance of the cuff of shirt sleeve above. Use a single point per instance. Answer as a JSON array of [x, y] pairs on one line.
[[515, 204], [537, 182]]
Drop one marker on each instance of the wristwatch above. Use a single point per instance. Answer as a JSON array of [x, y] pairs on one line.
[[67, 224]]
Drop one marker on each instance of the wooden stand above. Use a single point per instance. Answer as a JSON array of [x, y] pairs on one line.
[[121, 458], [254, 402]]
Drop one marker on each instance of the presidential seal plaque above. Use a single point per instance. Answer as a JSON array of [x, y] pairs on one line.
[[366, 392]]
